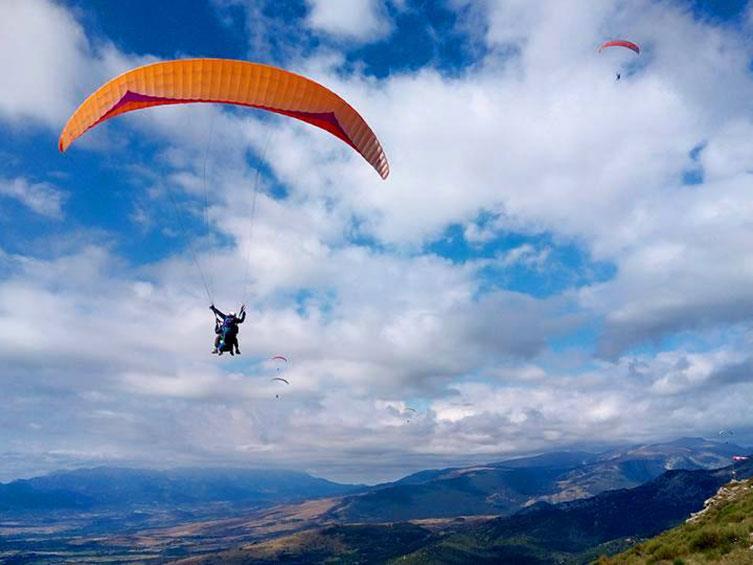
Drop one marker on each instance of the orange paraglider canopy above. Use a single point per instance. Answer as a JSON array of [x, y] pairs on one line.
[[227, 81], [620, 43]]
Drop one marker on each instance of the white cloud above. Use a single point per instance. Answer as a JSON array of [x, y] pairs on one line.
[[360, 20], [42, 198], [540, 137], [547, 141], [50, 62], [41, 48], [526, 255]]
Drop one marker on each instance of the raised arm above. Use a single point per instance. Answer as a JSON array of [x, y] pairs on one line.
[[217, 312]]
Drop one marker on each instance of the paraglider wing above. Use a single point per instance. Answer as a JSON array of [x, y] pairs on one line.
[[279, 362], [227, 81], [620, 43], [409, 413], [281, 380]]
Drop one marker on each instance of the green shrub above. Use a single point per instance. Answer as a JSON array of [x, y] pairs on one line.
[[705, 540], [736, 516], [717, 538], [666, 552]]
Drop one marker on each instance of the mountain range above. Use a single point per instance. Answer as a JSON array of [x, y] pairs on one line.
[[568, 506], [506, 487], [103, 488], [571, 532]]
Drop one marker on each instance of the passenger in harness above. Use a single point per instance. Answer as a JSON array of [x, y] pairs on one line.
[[226, 330]]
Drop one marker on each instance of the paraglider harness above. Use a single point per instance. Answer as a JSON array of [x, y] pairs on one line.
[[227, 328], [228, 333], [221, 329]]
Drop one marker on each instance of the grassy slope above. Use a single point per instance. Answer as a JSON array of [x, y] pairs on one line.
[[720, 534]]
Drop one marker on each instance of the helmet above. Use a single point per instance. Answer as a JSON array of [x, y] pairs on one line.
[[231, 314]]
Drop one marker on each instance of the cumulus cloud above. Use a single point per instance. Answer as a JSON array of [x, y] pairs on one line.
[[361, 20], [527, 255], [638, 397], [124, 351], [52, 62], [41, 44], [537, 136], [552, 144], [685, 275], [42, 198]]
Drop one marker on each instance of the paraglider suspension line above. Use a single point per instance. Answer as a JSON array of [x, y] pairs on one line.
[[206, 185], [191, 249], [252, 216]]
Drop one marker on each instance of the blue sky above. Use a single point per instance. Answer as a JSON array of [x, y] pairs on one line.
[[545, 230]]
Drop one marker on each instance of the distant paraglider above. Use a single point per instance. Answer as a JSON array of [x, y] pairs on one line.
[[737, 459], [281, 380], [621, 43], [280, 362], [725, 435]]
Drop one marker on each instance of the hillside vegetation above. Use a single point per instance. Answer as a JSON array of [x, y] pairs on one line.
[[720, 533]]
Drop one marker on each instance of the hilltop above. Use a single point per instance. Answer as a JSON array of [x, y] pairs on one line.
[[722, 532]]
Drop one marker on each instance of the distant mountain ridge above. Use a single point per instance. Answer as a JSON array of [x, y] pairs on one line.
[[495, 488], [578, 531], [508, 486], [123, 488], [487, 513], [571, 532]]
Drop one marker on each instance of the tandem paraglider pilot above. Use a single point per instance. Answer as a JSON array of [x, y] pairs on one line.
[[226, 328]]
